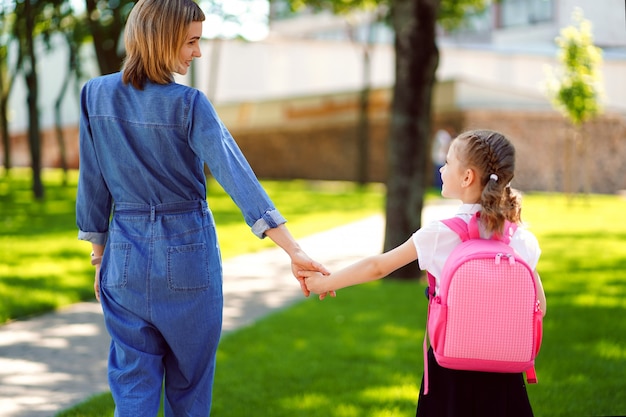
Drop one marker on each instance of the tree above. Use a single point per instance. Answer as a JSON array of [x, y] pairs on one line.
[[575, 89], [74, 31], [363, 127], [376, 12], [417, 57], [7, 76], [31, 22], [25, 32], [106, 20]]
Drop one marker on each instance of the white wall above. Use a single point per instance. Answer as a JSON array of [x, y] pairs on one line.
[[274, 69], [52, 67], [606, 16], [523, 74]]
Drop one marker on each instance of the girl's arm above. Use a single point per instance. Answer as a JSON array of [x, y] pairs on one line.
[[541, 295], [367, 269]]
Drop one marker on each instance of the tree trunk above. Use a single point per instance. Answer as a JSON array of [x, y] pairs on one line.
[[363, 127], [4, 130], [567, 161], [585, 160], [34, 137], [59, 131], [417, 57], [106, 38], [71, 69], [4, 108]]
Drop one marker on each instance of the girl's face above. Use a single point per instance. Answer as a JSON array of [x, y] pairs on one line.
[[191, 48], [452, 173]]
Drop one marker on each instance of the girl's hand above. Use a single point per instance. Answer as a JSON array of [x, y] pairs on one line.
[[317, 283]]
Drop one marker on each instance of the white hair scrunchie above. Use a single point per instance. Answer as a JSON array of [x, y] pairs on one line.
[[494, 177]]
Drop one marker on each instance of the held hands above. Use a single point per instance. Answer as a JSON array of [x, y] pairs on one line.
[[318, 283], [301, 265], [300, 261]]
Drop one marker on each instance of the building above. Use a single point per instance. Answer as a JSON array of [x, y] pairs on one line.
[[308, 72]]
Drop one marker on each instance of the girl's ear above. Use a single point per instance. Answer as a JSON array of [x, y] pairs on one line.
[[468, 178]]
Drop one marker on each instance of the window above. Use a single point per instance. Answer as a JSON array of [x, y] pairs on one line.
[[524, 12]]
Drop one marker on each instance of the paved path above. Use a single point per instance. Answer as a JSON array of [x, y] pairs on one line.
[[55, 361]]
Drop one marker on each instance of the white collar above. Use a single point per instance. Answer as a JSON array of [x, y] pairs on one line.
[[469, 209]]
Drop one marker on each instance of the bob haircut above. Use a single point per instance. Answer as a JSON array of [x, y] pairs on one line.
[[154, 33]]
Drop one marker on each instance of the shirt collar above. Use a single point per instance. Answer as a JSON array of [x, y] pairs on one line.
[[469, 209]]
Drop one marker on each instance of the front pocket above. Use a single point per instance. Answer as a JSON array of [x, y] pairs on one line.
[[188, 267], [116, 275]]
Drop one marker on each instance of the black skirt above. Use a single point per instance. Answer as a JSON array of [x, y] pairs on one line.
[[453, 393]]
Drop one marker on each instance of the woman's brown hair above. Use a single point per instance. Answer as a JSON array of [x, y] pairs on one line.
[[492, 156], [154, 33]]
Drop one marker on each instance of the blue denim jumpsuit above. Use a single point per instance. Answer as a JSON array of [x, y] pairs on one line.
[[142, 194]]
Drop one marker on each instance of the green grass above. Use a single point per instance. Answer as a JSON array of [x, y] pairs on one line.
[[583, 268], [44, 266], [360, 354]]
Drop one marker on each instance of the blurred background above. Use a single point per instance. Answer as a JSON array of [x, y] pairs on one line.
[[290, 82], [375, 89]]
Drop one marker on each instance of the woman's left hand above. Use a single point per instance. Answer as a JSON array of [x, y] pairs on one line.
[[96, 283]]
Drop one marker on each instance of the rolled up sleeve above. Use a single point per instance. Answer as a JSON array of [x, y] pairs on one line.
[[269, 220]]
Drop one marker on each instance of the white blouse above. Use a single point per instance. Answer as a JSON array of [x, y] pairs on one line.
[[435, 241]]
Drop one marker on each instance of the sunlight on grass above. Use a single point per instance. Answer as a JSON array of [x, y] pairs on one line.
[[306, 401], [393, 331], [391, 394], [358, 354], [610, 350], [601, 299], [345, 410], [42, 255]]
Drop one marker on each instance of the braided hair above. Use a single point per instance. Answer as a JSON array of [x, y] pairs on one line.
[[493, 157]]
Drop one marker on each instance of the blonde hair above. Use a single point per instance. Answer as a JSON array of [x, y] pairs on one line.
[[492, 156], [154, 33]]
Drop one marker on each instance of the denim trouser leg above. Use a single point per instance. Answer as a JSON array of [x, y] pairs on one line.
[[161, 291]]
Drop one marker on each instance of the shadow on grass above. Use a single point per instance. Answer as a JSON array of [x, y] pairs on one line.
[[358, 354], [583, 356]]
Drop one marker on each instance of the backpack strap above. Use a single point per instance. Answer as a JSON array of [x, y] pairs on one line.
[[425, 349], [470, 230], [458, 226]]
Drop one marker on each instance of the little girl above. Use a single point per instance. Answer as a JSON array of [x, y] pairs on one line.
[[479, 167]]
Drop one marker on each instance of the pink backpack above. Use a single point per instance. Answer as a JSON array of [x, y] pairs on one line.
[[486, 316]]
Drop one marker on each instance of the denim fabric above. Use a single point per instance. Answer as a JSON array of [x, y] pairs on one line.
[[142, 192], [161, 293], [149, 147]]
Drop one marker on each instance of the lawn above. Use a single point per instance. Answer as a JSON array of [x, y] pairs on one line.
[[360, 354], [44, 266]]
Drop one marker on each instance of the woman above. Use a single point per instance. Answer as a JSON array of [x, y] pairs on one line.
[[142, 204]]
